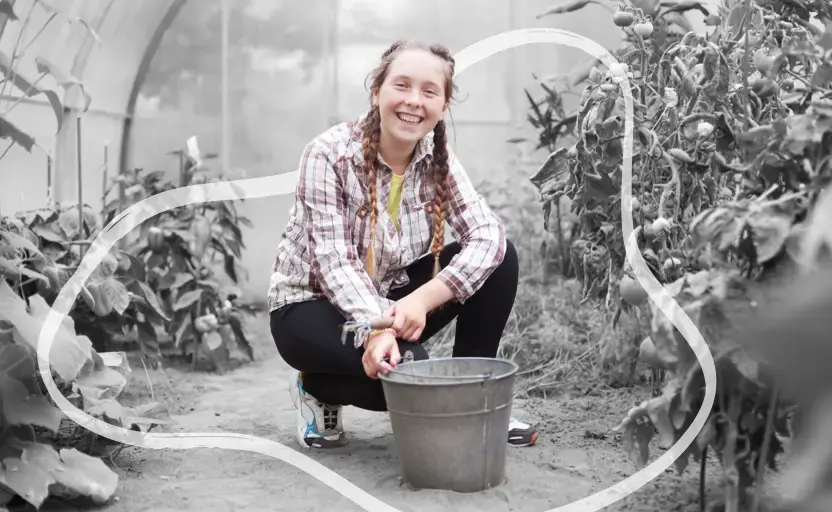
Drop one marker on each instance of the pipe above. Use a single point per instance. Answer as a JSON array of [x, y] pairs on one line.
[[144, 66]]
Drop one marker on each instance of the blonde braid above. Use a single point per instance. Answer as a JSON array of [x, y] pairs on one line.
[[440, 169], [370, 144]]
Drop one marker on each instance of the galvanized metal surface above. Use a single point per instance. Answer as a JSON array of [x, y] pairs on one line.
[[450, 420]]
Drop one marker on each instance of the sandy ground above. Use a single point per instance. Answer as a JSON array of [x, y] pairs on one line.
[[575, 457]]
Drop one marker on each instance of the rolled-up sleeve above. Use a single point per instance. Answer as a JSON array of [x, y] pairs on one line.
[[333, 258], [479, 231]]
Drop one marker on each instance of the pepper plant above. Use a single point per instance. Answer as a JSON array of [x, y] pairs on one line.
[[182, 249]]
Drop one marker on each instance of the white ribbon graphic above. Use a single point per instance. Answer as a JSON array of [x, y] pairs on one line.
[[285, 184]]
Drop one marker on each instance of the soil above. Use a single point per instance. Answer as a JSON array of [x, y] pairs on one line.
[[577, 453]]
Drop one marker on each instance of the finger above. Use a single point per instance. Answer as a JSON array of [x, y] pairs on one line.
[[395, 355], [366, 366], [417, 334], [369, 367], [399, 322]]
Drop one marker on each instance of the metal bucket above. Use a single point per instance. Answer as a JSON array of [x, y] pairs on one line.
[[450, 420]]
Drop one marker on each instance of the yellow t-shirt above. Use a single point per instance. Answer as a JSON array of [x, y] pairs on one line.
[[395, 198]]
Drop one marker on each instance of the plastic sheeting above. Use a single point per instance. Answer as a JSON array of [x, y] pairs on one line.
[[108, 68]]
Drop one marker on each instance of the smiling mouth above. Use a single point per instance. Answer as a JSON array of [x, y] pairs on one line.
[[409, 119]]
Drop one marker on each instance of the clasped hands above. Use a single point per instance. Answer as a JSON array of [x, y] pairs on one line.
[[409, 317]]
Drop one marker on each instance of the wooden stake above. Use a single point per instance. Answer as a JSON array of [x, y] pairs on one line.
[[80, 182], [49, 201]]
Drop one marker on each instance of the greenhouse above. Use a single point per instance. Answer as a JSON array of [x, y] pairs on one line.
[[697, 159]]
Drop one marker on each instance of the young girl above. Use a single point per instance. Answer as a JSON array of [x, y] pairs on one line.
[[373, 197]]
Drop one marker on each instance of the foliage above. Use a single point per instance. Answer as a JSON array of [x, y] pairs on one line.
[[178, 252], [32, 465], [732, 134], [22, 84]]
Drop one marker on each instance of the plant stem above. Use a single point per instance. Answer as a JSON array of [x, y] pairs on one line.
[[745, 59], [732, 494], [703, 463], [23, 26], [761, 464]]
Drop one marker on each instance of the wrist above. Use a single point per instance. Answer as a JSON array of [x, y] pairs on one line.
[[380, 333]]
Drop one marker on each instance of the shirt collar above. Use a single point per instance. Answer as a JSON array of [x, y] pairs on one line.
[[424, 149]]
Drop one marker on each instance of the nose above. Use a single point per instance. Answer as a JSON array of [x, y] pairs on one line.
[[414, 98]]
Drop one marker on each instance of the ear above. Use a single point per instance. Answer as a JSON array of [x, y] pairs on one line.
[[375, 99]]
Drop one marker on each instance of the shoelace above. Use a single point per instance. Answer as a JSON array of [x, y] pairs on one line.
[[330, 417]]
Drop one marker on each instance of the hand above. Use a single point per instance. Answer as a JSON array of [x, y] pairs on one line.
[[377, 349], [409, 317]]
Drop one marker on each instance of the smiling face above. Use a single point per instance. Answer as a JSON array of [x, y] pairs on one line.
[[412, 98]]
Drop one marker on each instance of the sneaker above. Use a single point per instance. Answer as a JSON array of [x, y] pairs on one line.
[[318, 425], [521, 434]]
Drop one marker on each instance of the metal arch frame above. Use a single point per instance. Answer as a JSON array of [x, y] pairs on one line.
[[138, 82]]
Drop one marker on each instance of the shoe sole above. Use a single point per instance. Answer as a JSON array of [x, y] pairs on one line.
[[532, 439]]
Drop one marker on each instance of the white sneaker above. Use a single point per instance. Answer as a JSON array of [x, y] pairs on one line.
[[318, 425]]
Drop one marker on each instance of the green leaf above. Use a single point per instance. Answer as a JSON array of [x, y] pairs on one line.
[[825, 40], [14, 439], [683, 6], [14, 270], [117, 293], [139, 418], [77, 474], [771, 228], [180, 280], [636, 439], [570, 6], [18, 363], [70, 352], [22, 243], [152, 299], [48, 234], [26, 479], [6, 9], [823, 75], [10, 131], [102, 383], [659, 411], [236, 324], [600, 187], [187, 299], [21, 407], [63, 77], [30, 89]]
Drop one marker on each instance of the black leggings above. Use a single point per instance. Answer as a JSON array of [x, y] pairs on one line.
[[308, 334]]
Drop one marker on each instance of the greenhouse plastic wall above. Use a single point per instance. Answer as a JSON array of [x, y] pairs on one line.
[[275, 111], [278, 101], [107, 68]]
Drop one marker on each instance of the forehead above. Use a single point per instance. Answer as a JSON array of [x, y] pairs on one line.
[[420, 66]]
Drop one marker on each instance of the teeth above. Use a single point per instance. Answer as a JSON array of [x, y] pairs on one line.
[[409, 119]]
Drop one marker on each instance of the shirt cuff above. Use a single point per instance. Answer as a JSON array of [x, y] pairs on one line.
[[458, 285]]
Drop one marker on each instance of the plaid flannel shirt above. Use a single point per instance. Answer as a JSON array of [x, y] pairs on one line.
[[322, 250]]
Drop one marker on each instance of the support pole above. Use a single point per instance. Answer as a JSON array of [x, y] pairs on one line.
[[225, 156]]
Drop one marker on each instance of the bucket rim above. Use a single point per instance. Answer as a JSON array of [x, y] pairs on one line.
[[451, 381]]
